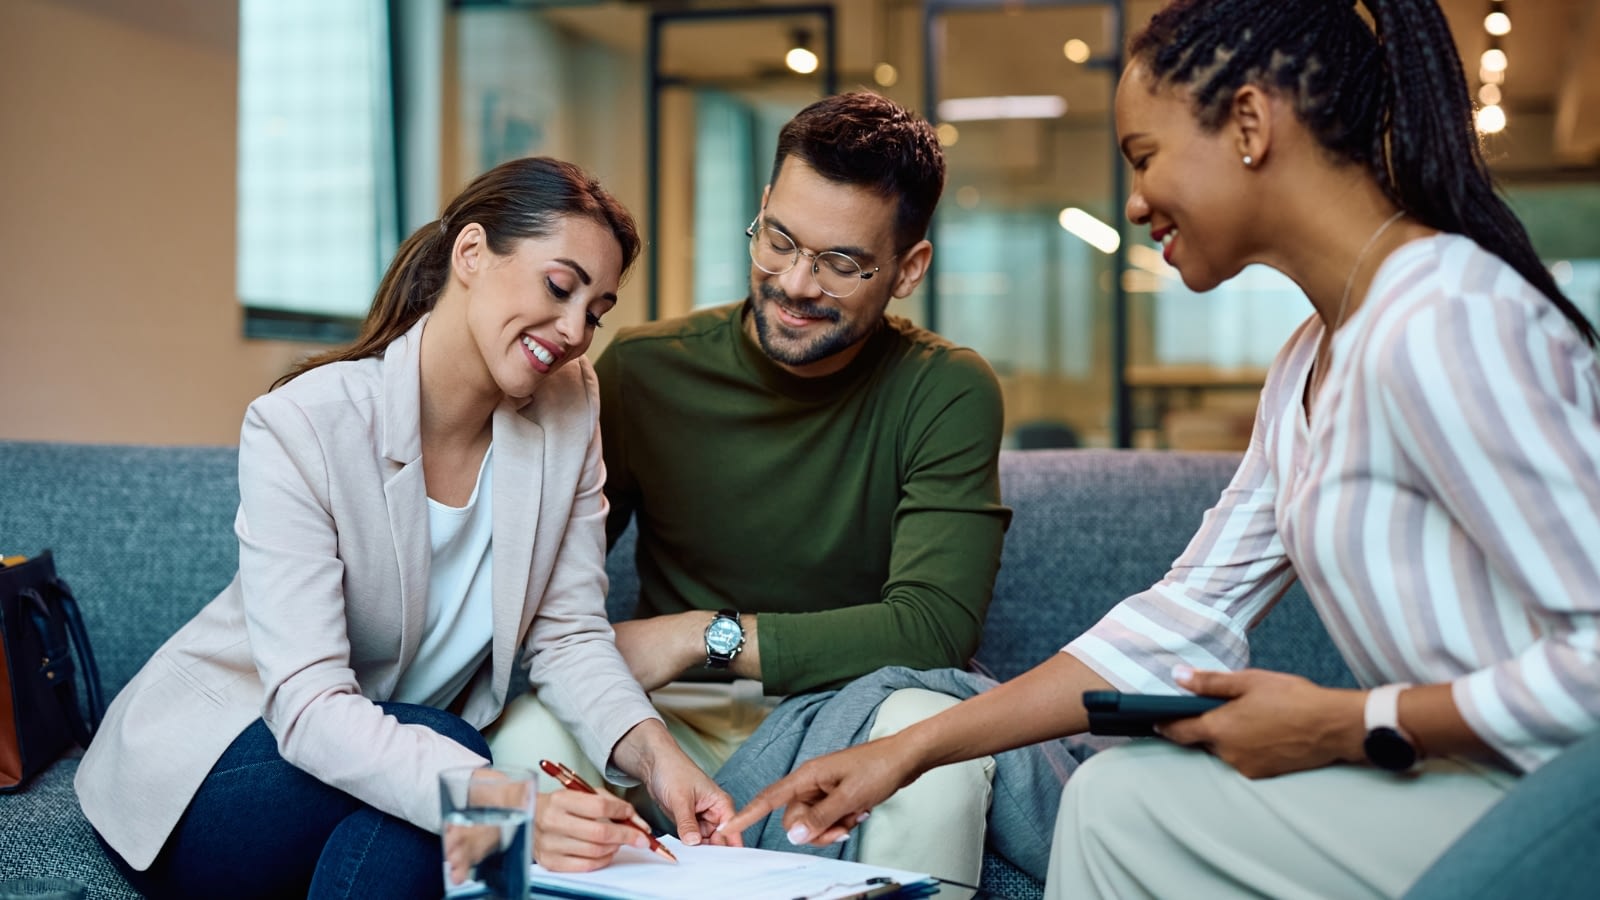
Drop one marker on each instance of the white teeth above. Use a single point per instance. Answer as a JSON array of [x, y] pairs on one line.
[[1167, 238], [539, 352]]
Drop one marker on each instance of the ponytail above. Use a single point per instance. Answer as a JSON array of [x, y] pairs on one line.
[[1435, 168], [409, 288], [523, 198]]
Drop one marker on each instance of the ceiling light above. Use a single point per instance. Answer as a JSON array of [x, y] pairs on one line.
[[1493, 60], [1094, 232], [968, 109], [885, 74], [800, 58], [1076, 50], [948, 134], [1487, 77], [1491, 120], [1489, 94], [1497, 23]]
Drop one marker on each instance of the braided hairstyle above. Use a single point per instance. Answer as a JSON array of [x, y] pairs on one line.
[[1394, 102], [523, 198]]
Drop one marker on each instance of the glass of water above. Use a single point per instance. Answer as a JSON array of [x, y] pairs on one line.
[[488, 823]]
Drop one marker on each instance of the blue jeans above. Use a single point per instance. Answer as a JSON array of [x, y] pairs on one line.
[[1538, 841], [260, 827]]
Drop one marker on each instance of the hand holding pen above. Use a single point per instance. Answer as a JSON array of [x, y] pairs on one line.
[[573, 782]]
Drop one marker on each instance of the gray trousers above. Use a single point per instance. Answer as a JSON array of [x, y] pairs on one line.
[[1153, 819], [1537, 842]]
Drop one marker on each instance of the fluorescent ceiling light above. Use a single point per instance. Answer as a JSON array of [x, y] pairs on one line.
[[968, 109], [1097, 233]]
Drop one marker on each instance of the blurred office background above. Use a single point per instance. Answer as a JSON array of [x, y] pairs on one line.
[[198, 192]]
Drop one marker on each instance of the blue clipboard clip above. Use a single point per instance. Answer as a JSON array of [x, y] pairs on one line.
[[881, 887]]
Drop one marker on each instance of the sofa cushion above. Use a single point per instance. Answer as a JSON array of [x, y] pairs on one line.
[[143, 535], [46, 836], [1091, 527]]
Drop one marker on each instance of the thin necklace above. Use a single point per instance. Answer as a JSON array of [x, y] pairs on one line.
[[1350, 280], [1325, 351]]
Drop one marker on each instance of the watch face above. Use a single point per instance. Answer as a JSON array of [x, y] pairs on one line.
[[1387, 749], [723, 636]]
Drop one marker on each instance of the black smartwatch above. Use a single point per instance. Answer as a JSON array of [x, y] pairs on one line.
[[724, 639], [1387, 746]]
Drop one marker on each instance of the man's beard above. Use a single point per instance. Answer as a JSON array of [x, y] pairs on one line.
[[832, 340]]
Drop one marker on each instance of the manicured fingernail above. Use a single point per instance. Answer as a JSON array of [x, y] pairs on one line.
[[722, 826], [691, 838], [1182, 673], [862, 818], [842, 838], [798, 834]]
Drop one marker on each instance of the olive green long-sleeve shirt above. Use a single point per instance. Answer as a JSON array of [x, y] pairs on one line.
[[858, 513]]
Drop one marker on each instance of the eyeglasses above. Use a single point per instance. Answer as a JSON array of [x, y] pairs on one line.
[[775, 253]]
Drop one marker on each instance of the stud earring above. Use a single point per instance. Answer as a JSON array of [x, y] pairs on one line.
[[1249, 160]]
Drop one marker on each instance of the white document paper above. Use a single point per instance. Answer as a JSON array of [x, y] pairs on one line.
[[733, 873]]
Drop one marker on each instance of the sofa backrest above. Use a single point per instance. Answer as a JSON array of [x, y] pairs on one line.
[[1090, 527], [144, 535]]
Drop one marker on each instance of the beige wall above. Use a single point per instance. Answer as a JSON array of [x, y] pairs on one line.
[[118, 318]]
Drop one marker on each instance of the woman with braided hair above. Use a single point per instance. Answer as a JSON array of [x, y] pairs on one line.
[[1425, 459]]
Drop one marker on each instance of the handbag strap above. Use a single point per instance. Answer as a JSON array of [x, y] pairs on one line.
[[93, 694], [60, 637]]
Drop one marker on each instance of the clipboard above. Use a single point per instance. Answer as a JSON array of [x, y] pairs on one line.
[[725, 873]]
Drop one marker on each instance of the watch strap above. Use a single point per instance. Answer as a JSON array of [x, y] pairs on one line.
[[1383, 706], [1387, 745]]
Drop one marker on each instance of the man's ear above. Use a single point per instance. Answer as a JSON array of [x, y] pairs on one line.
[[470, 254], [913, 266], [1250, 118], [765, 193]]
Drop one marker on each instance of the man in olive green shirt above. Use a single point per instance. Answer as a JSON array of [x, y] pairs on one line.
[[815, 482], [852, 518]]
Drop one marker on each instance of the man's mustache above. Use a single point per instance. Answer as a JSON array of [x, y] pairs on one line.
[[806, 309]]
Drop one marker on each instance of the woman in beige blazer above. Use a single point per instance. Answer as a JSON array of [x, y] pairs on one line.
[[287, 740]]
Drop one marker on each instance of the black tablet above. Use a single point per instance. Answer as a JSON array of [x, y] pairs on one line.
[[1116, 713]]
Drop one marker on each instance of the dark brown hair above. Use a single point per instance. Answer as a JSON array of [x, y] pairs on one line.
[[1394, 102], [868, 140], [524, 198]]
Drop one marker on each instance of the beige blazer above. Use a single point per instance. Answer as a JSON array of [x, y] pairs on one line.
[[329, 604]]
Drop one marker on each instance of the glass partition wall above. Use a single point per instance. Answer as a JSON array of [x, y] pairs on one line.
[[1028, 236], [712, 127], [1094, 337]]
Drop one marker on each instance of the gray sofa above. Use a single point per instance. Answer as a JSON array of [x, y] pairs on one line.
[[144, 537]]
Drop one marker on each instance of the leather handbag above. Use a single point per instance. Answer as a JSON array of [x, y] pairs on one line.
[[39, 628]]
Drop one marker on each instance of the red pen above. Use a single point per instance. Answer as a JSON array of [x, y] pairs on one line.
[[572, 782]]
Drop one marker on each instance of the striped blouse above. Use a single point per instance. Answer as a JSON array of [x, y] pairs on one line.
[[1442, 508]]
